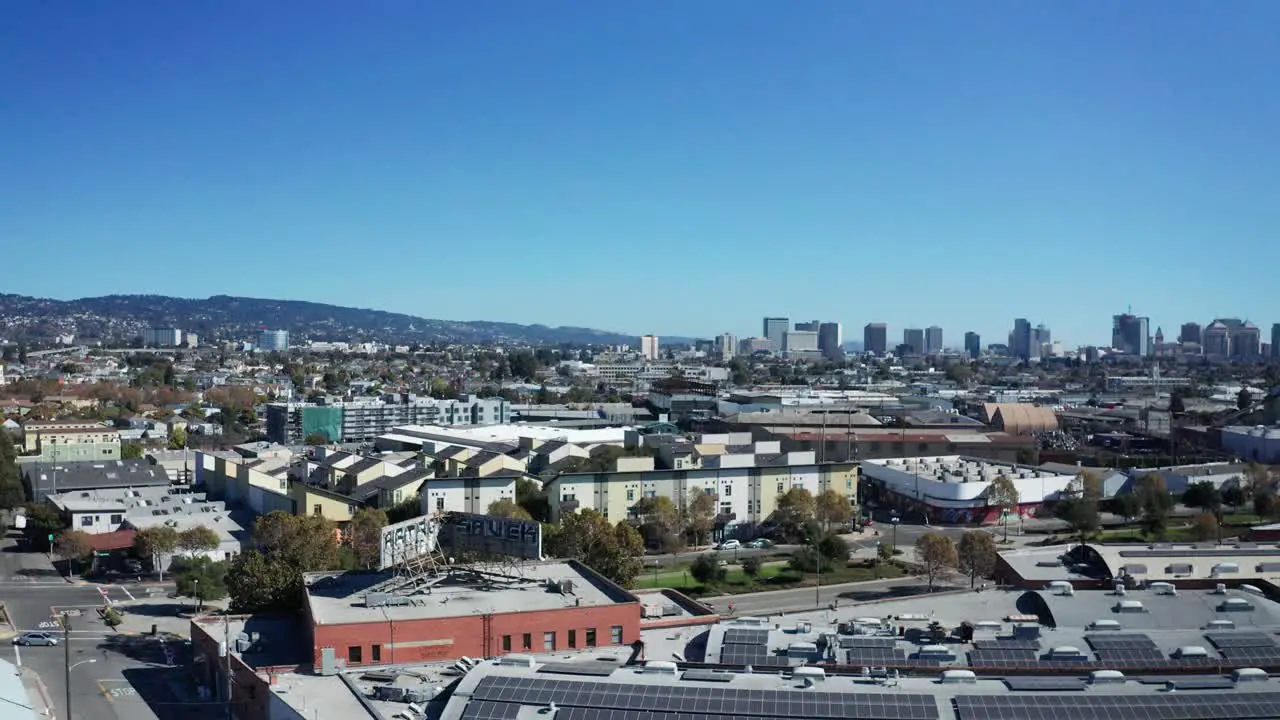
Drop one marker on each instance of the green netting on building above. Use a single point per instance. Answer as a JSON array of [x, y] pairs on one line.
[[325, 421]]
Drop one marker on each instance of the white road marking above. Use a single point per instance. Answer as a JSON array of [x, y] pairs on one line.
[[126, 592]]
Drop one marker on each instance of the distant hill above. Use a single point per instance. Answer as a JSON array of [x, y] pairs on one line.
[[121, 318]]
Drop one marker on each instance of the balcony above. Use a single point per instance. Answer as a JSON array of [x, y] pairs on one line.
[[569, 506]]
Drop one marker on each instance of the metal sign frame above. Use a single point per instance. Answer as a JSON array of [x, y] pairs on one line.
[[492, 536], [407, 541]]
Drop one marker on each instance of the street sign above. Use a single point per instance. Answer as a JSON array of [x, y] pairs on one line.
[[50, 537]]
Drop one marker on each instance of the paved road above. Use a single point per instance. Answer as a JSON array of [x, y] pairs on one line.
[[776, 601], [691, 555]]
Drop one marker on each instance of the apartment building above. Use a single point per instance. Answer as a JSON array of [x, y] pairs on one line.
[[291, 423], [68, 441], [746, 495]]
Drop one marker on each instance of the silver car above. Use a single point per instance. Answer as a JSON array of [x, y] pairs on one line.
[[35, 638]]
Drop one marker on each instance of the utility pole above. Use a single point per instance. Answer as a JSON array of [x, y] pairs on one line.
[[226, 641], [66, 655]]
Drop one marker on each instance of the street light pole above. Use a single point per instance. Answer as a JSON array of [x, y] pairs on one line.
[[817, 589], [66, 654]]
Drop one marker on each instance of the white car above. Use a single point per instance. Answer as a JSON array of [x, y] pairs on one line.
[[729, 545]]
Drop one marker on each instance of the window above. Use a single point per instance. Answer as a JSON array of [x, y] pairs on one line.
[[86, 521], [440, 503], [506, 643], [615, 634], [728, 491], [631, 494], [354, 655], [548, 642], [573, 639], [528, 641], [780, 490], [375, 652], [315, 509], [591, 637], [117, 519]]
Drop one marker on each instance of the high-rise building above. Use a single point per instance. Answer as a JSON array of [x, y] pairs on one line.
[[1246, 343], [831, 340], [913, 340], [649, 347], [1129, 335], [1275, 340], [726, 346], [751, 346], [972, 344], [1190, 333], [775, 328], [795, 341], [1217, 339], [811, 326], [932, 340], [1021, 343], [875, 338], [273, 341], [162, 337]]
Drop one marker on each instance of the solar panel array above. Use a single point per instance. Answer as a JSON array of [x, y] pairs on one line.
[[745, 636], [876, 656], [757, 655], [1203, 552], [488, 710], [1242, 639], [993, 657], [596, 669], [704, 675], [1218, 706], [1047, 682], [665, 702], [1007, 644], [1125, 648], [868, 641]]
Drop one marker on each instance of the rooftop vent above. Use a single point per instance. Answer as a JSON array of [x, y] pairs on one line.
[[953, 677], [1249, 675], [1106, 677], [1191, 651]]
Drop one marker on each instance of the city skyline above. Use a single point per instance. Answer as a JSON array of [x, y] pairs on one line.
[[865, 134]]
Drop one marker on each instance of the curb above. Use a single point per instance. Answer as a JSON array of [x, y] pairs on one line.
[[44, 693], [7, 629]]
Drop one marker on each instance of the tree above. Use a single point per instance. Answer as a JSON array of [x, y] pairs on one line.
[[201, 578], [700, 514], [1233, 495], [1244, 399], [363, 535], [1002, 493], [533, 498], [795, 506], [257, 583], [1206, 526], [156, 542], [317, 438], [959, 373], [198, 539], [976, 555], [11, 493], [1204, 495], [751, 567], [269, 576], [130, 451], [834, 548], [884, 552], [832, 508], [507, 508], [586, 536], [706, 570], [937, 555], [43, 520], [1126, 505], [659, 521], [1156, 504], [73, 546], [1177, 404], [1264, 504], [178, 438]]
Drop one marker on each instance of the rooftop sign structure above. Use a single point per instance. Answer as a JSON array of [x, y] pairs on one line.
[[491, 536], [408, 541]]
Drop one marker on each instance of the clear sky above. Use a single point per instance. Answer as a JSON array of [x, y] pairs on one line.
[[682, 167]]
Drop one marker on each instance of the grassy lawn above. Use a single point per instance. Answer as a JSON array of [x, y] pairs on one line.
[[1185, 533], [774, 575]]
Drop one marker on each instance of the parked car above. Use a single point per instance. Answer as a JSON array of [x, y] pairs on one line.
[[729, 545], [760, 543], [35, 638]]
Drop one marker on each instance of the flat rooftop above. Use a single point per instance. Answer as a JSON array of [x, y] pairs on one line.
[[341, 598], [511, 433]]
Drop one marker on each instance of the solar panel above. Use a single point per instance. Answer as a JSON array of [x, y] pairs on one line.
[[1204, 683], [489, 710], [703, 675], [1050, 682], [579, 668], [605, 699], [868, 641], [1217, 706], [1265, 656], [1006, 644], [1241, 639], [1200, 552], [745, 636], [1120, 641]]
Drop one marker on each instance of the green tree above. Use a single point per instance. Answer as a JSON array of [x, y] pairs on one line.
[[795, 507], [1206, 526], [130, 451], [200, 578], [363, 535], [1204, 495], [43, 520], [1234, 496], [832, 508], [659, 521], [155, 543], [11, 492], [178, 438], [1126, 505], [1156, 504], [936, 555], [706, 570], [612, 551], [257, 583], [700, 514], [317, 438], [834, 548], [198, 539], [751, 567], [1244, 399], [884, 552], [269, 577], [73, 546], [959, 373], [1003, 494], [976, 555], [508, 508], [531, 496]]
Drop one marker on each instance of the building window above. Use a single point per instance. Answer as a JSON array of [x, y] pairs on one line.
[[117, 519], [528, 641], [728, 491], [86, 521], [548, 642], [375, 653], [591, 637], [573, 639], [315, 509], [780, 490], [506, 643], [440, 503], [631, 494], [615, 634], [354, 655]]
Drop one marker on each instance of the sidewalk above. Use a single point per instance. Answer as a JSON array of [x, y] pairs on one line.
[[36, 691], [170, 616]]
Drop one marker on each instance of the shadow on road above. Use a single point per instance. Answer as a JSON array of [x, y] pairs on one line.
[[39, 573], [172, 609], [885, 593], [171, 693], [144, 648]]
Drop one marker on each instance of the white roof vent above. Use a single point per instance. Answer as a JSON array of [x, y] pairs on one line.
[[950, 677], [1192, 651], [1105, 625], [661, 667], [516, 660], [1249, 675], [1106, 677], [1232, 604], [1130, 606], [816, 674]]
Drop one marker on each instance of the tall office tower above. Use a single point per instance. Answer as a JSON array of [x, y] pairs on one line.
[[808, 326], [1246, 343], [1020, 340], [831, 340], [1275, 340], [1129, 335], [775, 328], [751, 346], [649, 347], [162, 337], [1190, 333], [800, 341], [972, 344], [1217, 339], [273, 341], [932, 340], [875, 338], [726, 346], [913, 338]]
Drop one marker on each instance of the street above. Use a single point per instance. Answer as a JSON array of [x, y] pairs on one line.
[[777, 601], [113, 675]]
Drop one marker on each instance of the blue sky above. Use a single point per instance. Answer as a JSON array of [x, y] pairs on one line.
[[664, 166]]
